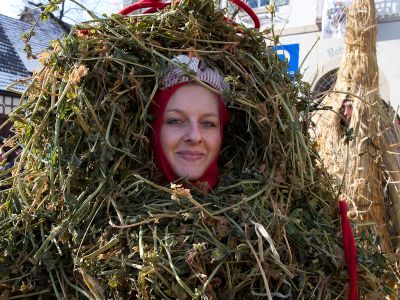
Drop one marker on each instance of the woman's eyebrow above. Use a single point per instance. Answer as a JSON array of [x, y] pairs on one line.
[[180, 111], [175, 110], [210, 115]]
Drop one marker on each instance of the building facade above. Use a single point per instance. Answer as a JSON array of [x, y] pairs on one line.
[[311, 37], [14, 64]]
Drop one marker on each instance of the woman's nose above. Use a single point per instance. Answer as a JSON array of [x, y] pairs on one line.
[[193, 133]]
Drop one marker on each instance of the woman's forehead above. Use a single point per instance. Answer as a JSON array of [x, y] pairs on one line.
[[193, 98]]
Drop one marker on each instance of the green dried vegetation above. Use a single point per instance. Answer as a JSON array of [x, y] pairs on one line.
[[85, 213]]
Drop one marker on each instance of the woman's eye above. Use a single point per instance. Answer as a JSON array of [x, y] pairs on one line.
[[209, 124], [174, 121]]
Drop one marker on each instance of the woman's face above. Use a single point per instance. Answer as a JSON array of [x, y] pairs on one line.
[[190, 133]]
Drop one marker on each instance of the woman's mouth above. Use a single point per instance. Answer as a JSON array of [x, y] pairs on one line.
[[190, 156]]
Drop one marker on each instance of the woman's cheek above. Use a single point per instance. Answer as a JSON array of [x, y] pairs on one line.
[[213, 141], [170, 137]]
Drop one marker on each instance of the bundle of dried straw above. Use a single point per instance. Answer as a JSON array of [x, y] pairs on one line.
[[364, 153]]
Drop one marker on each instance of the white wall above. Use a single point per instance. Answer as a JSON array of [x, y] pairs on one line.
[[299, 23]]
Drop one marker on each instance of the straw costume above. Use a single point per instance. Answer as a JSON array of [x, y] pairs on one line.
[[89, 217]]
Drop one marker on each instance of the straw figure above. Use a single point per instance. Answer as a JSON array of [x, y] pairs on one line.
[[100, 203], [358, 139]]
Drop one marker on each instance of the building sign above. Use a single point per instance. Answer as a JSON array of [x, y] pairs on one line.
[[290, 54], [335, 51], [334, 18]]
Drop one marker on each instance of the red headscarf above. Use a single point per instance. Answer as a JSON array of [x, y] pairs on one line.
[[157, 109]]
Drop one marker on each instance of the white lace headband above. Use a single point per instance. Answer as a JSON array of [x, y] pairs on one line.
[[196, 67]]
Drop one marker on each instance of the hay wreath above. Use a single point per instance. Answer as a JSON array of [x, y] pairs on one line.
[[85, 213]]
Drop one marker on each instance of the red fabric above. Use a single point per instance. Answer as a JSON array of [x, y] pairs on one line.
[[157, 109], [350, 253]]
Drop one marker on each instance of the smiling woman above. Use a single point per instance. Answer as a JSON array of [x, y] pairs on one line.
[[189, 120], [190, 134]]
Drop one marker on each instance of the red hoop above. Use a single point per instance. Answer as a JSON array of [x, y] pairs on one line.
[[249, 11], [156, 5]]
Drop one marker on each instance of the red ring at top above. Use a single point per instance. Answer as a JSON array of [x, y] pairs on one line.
[[156, 5]]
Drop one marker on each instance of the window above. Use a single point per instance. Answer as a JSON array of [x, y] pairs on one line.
[[263, 3], [386, 9], [8, 103], [326, 83]]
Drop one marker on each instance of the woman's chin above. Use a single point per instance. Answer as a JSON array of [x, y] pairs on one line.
[[192, 176]]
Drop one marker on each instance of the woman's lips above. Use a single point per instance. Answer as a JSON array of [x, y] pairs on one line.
[[190, 156]]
